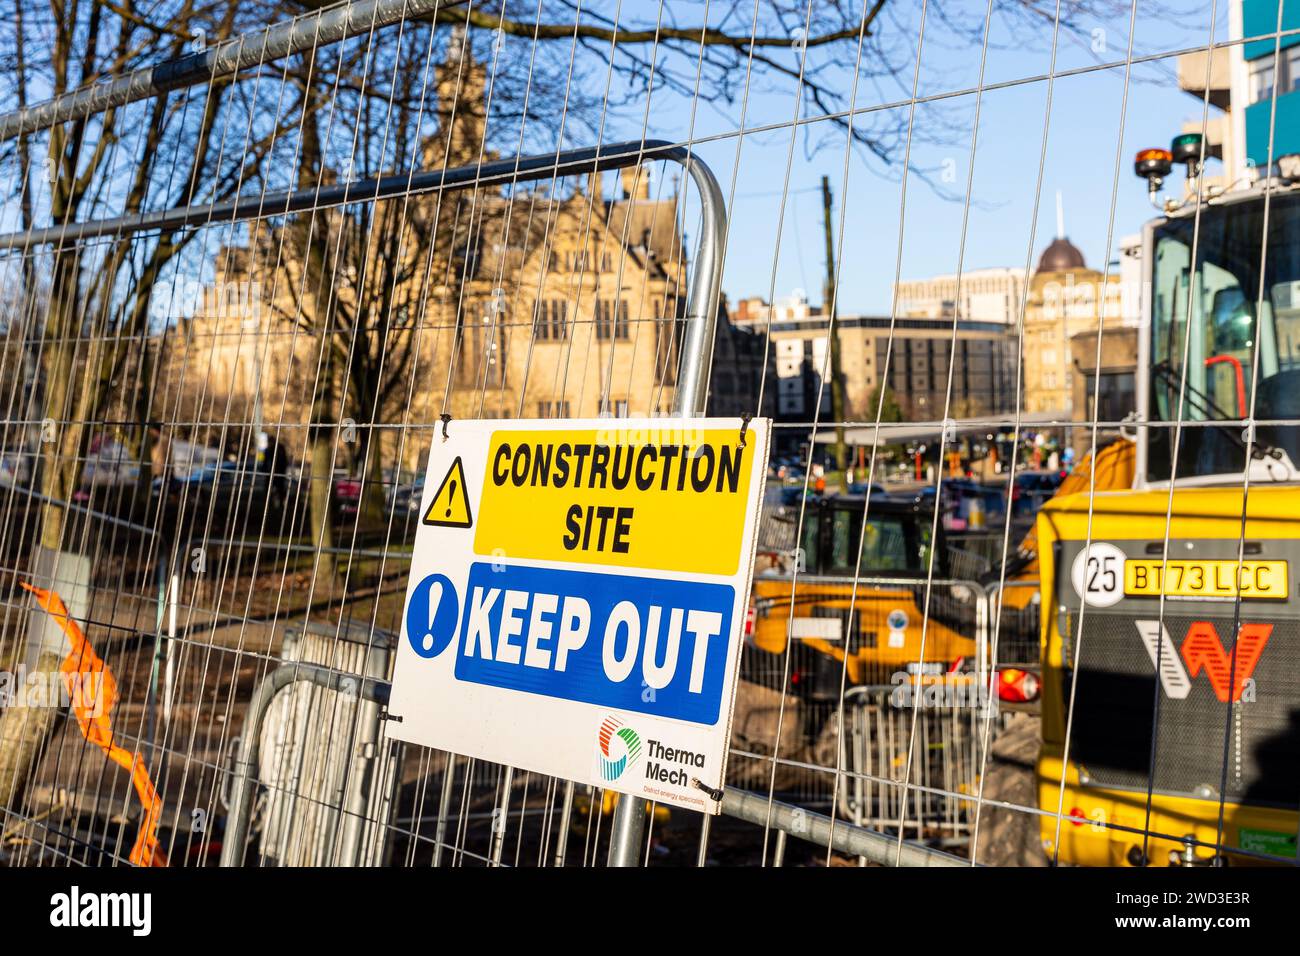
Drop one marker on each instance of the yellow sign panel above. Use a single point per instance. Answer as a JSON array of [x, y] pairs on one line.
[[1185, 578], [670, 501], [450, 506]]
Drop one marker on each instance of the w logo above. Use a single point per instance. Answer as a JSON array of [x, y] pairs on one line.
[[1202, 651]]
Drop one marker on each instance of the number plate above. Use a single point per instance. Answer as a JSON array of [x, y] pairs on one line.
[[1208, 579]]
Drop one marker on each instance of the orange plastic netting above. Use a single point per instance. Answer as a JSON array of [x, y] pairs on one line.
[[93, 692]]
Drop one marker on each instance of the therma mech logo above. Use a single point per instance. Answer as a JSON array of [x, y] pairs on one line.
[[619, 748]]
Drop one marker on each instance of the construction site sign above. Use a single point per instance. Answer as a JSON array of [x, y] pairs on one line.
[[577, 599]]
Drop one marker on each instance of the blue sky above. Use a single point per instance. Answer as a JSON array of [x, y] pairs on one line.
[[1080, 159]]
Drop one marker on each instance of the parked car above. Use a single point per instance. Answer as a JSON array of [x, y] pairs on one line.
[[966, 505], [406, 497], [226, 479], [862, 488], [395, 479], [345, 494], [109, 463], [1032, 489], [16, 468]]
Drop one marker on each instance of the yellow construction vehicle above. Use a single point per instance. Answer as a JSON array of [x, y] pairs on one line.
[[870, 605], [1171, 614], [883, 635]]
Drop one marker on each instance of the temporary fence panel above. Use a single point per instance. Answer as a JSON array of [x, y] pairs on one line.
[[330, 776], [1022, 592]]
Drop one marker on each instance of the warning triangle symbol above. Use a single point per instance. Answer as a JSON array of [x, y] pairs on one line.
[[450, 507]]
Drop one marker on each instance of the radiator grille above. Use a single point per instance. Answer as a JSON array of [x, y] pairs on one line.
[[1116, 715]]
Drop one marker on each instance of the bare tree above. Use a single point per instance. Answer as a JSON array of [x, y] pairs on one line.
[[92, 299]]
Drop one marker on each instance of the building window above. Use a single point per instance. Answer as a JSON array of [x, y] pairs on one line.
[[497, 359], [1049, 380], [552, 321], [611, 323], [1262, 76], [604, 320], [1118, 396], [1267, 73], [553, 409]]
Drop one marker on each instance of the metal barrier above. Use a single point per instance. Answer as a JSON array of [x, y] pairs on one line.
[[330, 777], [749, 807], [301, 249], [874, 748]]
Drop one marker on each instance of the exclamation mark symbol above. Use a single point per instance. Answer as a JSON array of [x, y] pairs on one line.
[[450, 505]]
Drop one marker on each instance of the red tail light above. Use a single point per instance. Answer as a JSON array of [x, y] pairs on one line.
[[1017, 686]]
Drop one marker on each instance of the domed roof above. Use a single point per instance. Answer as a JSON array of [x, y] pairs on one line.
[[1061, 256]]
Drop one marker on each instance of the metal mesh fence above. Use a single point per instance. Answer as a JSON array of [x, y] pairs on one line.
[[248, 274]]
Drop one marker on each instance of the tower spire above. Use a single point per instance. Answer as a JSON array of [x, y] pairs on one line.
[[1060, 216]]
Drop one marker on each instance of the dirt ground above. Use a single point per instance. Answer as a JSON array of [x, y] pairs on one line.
[[1010, 837]]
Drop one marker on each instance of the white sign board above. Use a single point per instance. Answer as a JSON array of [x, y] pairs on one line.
[[577, 599]]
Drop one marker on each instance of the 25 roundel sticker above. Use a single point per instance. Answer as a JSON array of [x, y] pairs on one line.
[[1098, 575]]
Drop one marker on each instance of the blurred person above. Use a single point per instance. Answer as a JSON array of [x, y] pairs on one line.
[[275, 461], [160, 453]]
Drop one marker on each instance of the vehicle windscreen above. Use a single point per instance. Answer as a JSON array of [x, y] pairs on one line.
[[891, 544], [1208, 318]]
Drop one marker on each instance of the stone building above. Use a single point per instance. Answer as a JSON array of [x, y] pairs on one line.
[[1105, 391], [983, 376], [977, 295], [1065, 298], [545, 300]]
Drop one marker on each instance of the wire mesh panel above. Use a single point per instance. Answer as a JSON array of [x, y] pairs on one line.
[[1022, 589]]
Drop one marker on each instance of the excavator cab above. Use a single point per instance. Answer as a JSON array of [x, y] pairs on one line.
[[1171, 624]]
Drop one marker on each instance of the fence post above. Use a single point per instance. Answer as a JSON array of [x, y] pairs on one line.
[[690, 399], [983, 628]]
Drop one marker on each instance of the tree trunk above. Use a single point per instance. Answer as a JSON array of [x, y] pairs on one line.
[[23, 733], [372, 489], [61, 432], [322, 488]]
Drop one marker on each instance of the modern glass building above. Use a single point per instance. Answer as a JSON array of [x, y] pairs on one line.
[[1272, 63]]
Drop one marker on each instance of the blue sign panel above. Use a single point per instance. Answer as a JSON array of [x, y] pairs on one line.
[[629, 643]]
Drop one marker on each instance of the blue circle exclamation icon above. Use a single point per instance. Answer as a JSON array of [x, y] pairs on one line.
[[432, 615]]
